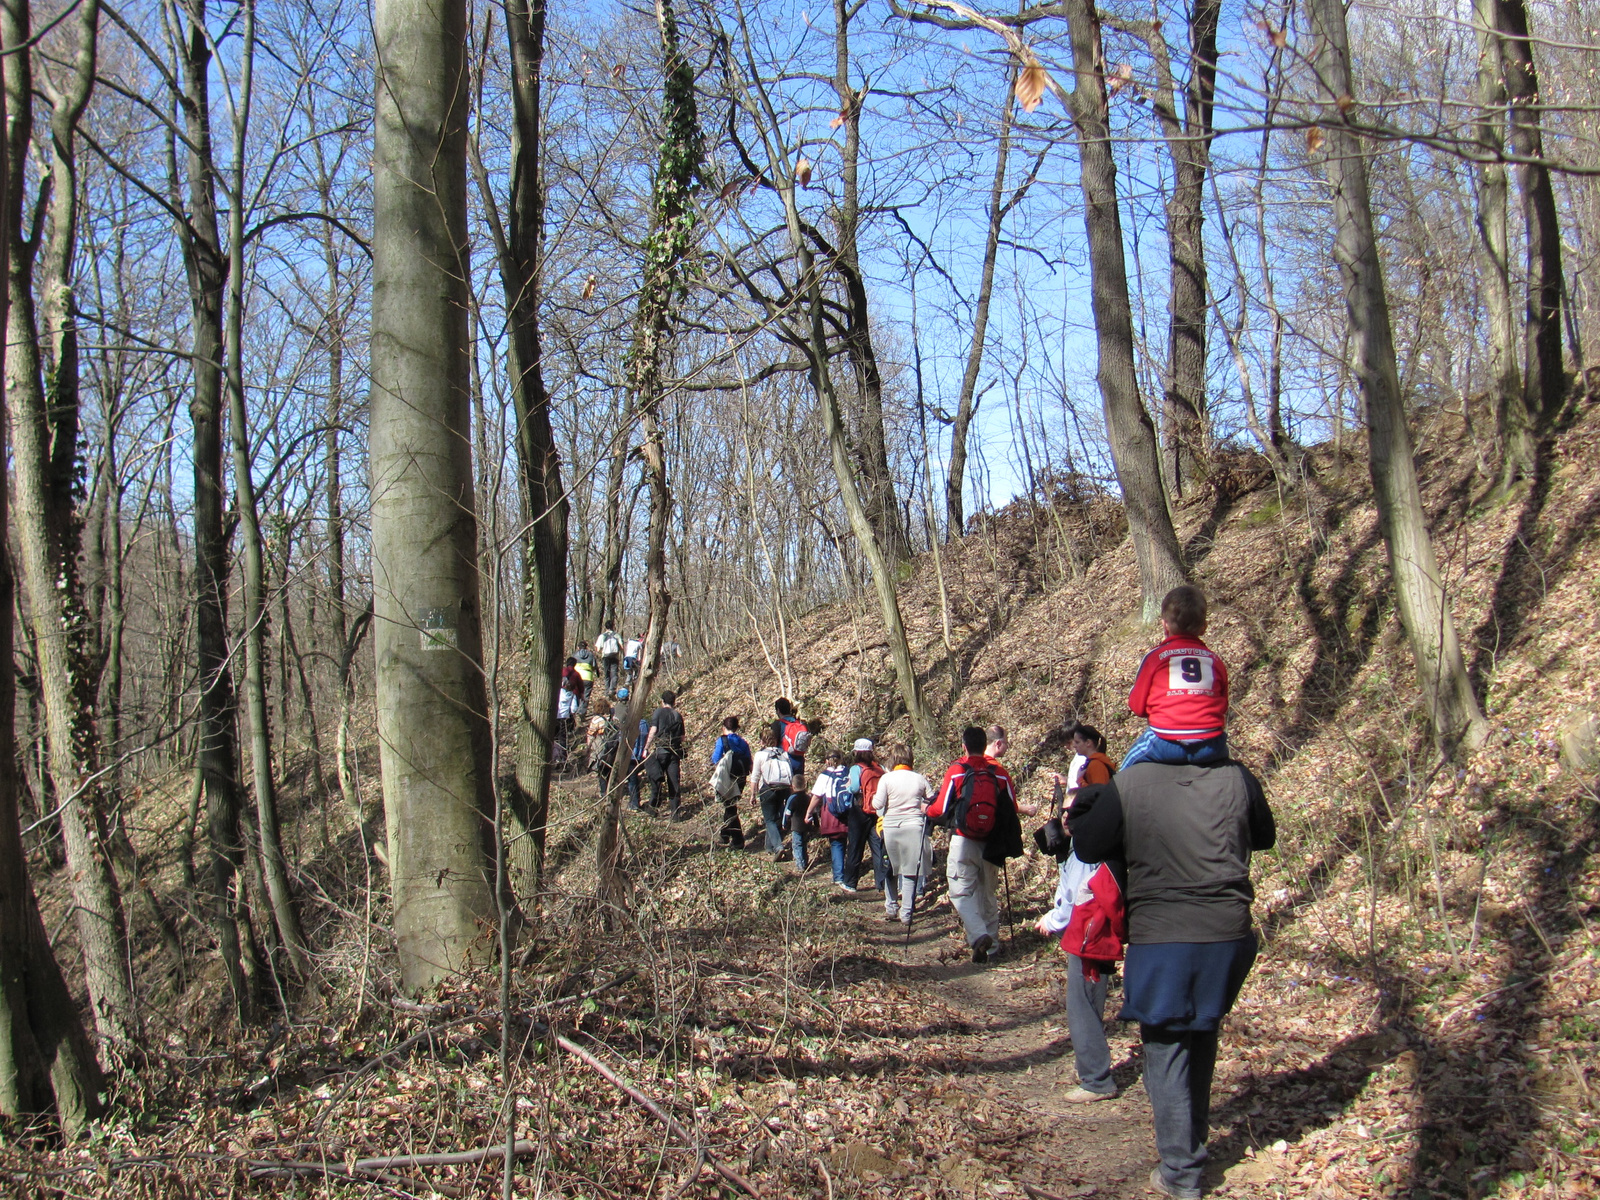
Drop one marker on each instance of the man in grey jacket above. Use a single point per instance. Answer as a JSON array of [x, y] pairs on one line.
[[1186, 834]]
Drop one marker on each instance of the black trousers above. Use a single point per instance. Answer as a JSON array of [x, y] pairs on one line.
[[862, 828], [732, 831], [664, 776]]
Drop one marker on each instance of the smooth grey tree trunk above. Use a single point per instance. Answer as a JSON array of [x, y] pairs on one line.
[[1133, 437], [1457, 719], [46, 1062], [433, 729]]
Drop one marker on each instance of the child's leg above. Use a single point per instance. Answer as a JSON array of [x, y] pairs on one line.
[[1147, 747], [1209, 751]]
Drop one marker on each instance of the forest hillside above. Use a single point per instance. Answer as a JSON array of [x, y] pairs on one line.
[[1421, 1021]]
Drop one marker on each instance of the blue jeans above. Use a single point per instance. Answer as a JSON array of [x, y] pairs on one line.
[[1148, 747], [836, 848], [772, 805]]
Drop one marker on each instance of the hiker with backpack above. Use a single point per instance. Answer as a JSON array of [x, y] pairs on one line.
[[605, 735], [631, 651], [731, 763], [977, 801], [663, 753], [569, 703], [831, 801], [794, 736], [774, 778], [902, 799], [866, 773], [609, 647], [636, 758]]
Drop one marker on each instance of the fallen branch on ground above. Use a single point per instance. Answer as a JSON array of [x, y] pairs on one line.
[[655, 1110]]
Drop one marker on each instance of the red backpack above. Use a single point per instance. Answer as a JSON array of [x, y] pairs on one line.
[[796, 737], [971, 811]]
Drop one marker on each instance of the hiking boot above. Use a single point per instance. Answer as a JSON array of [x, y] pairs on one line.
[[1082, 1095], [982, 948], [1158, 1183]]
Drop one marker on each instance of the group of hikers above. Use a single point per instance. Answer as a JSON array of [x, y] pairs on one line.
[[611, 668], [1153, 856]]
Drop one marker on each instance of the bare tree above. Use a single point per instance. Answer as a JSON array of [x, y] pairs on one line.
[[1457, 719]]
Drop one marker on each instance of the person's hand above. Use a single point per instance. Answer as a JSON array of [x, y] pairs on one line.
[[1057, 778], [1041, 927]]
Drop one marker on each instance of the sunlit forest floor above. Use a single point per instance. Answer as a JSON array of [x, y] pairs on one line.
[[1422, 1021]]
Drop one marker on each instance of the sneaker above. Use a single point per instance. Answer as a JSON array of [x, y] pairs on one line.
[[1158, 1183], [843, 886], [982, 948], [891, 916], [1082, 1095]]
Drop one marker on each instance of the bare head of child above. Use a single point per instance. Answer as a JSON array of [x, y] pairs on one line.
[[1183, 612]]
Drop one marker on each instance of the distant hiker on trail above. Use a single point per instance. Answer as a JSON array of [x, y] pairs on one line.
[[1182, 689], [569, 702], [774, 781], [731, 763], [1186, 834], [865, 775], [636, 758], [604, 737], [978, 801], [830, 800], [794, 736], [902, 801], [588, 670], [1086, 989], [663, 752], [630, 659], [609, 647]]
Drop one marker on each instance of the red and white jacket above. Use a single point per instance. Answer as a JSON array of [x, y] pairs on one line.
[[1182, 690], [1098, 929]]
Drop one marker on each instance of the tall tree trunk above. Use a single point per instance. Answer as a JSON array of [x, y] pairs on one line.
[[871, 443], [967, 400], [274, 868], [1184, 412], [1133, 437], [1505, 376], [519, 244], [1544, 381], [672, 224], [207, 268], [433, 730], [1457, 719], [616, 529], [46, 1062], [48, 528]]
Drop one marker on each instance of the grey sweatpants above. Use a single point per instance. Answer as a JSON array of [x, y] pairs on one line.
[[1086, 1011]]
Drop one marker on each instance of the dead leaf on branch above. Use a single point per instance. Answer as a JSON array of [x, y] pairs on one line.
[[837, 121], [1313, 139], [1120, 78], [1278, 37], [1031, 85], [1346, 102], [802, 172], [589, 286]]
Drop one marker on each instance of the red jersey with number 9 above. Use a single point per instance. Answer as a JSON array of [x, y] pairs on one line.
[[1182, 690]]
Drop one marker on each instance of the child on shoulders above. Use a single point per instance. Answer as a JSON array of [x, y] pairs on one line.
[[1181, 689]]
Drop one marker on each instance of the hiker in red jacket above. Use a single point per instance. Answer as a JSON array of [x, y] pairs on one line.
[[1182, 689], [977, 800]]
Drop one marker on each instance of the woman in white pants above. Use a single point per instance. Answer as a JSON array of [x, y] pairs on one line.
[[901, 800]]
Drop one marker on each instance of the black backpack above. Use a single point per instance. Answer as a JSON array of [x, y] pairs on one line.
[[740, 760]]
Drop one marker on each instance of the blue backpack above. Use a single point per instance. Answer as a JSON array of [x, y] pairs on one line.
[[737, 751], [844, 793]]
